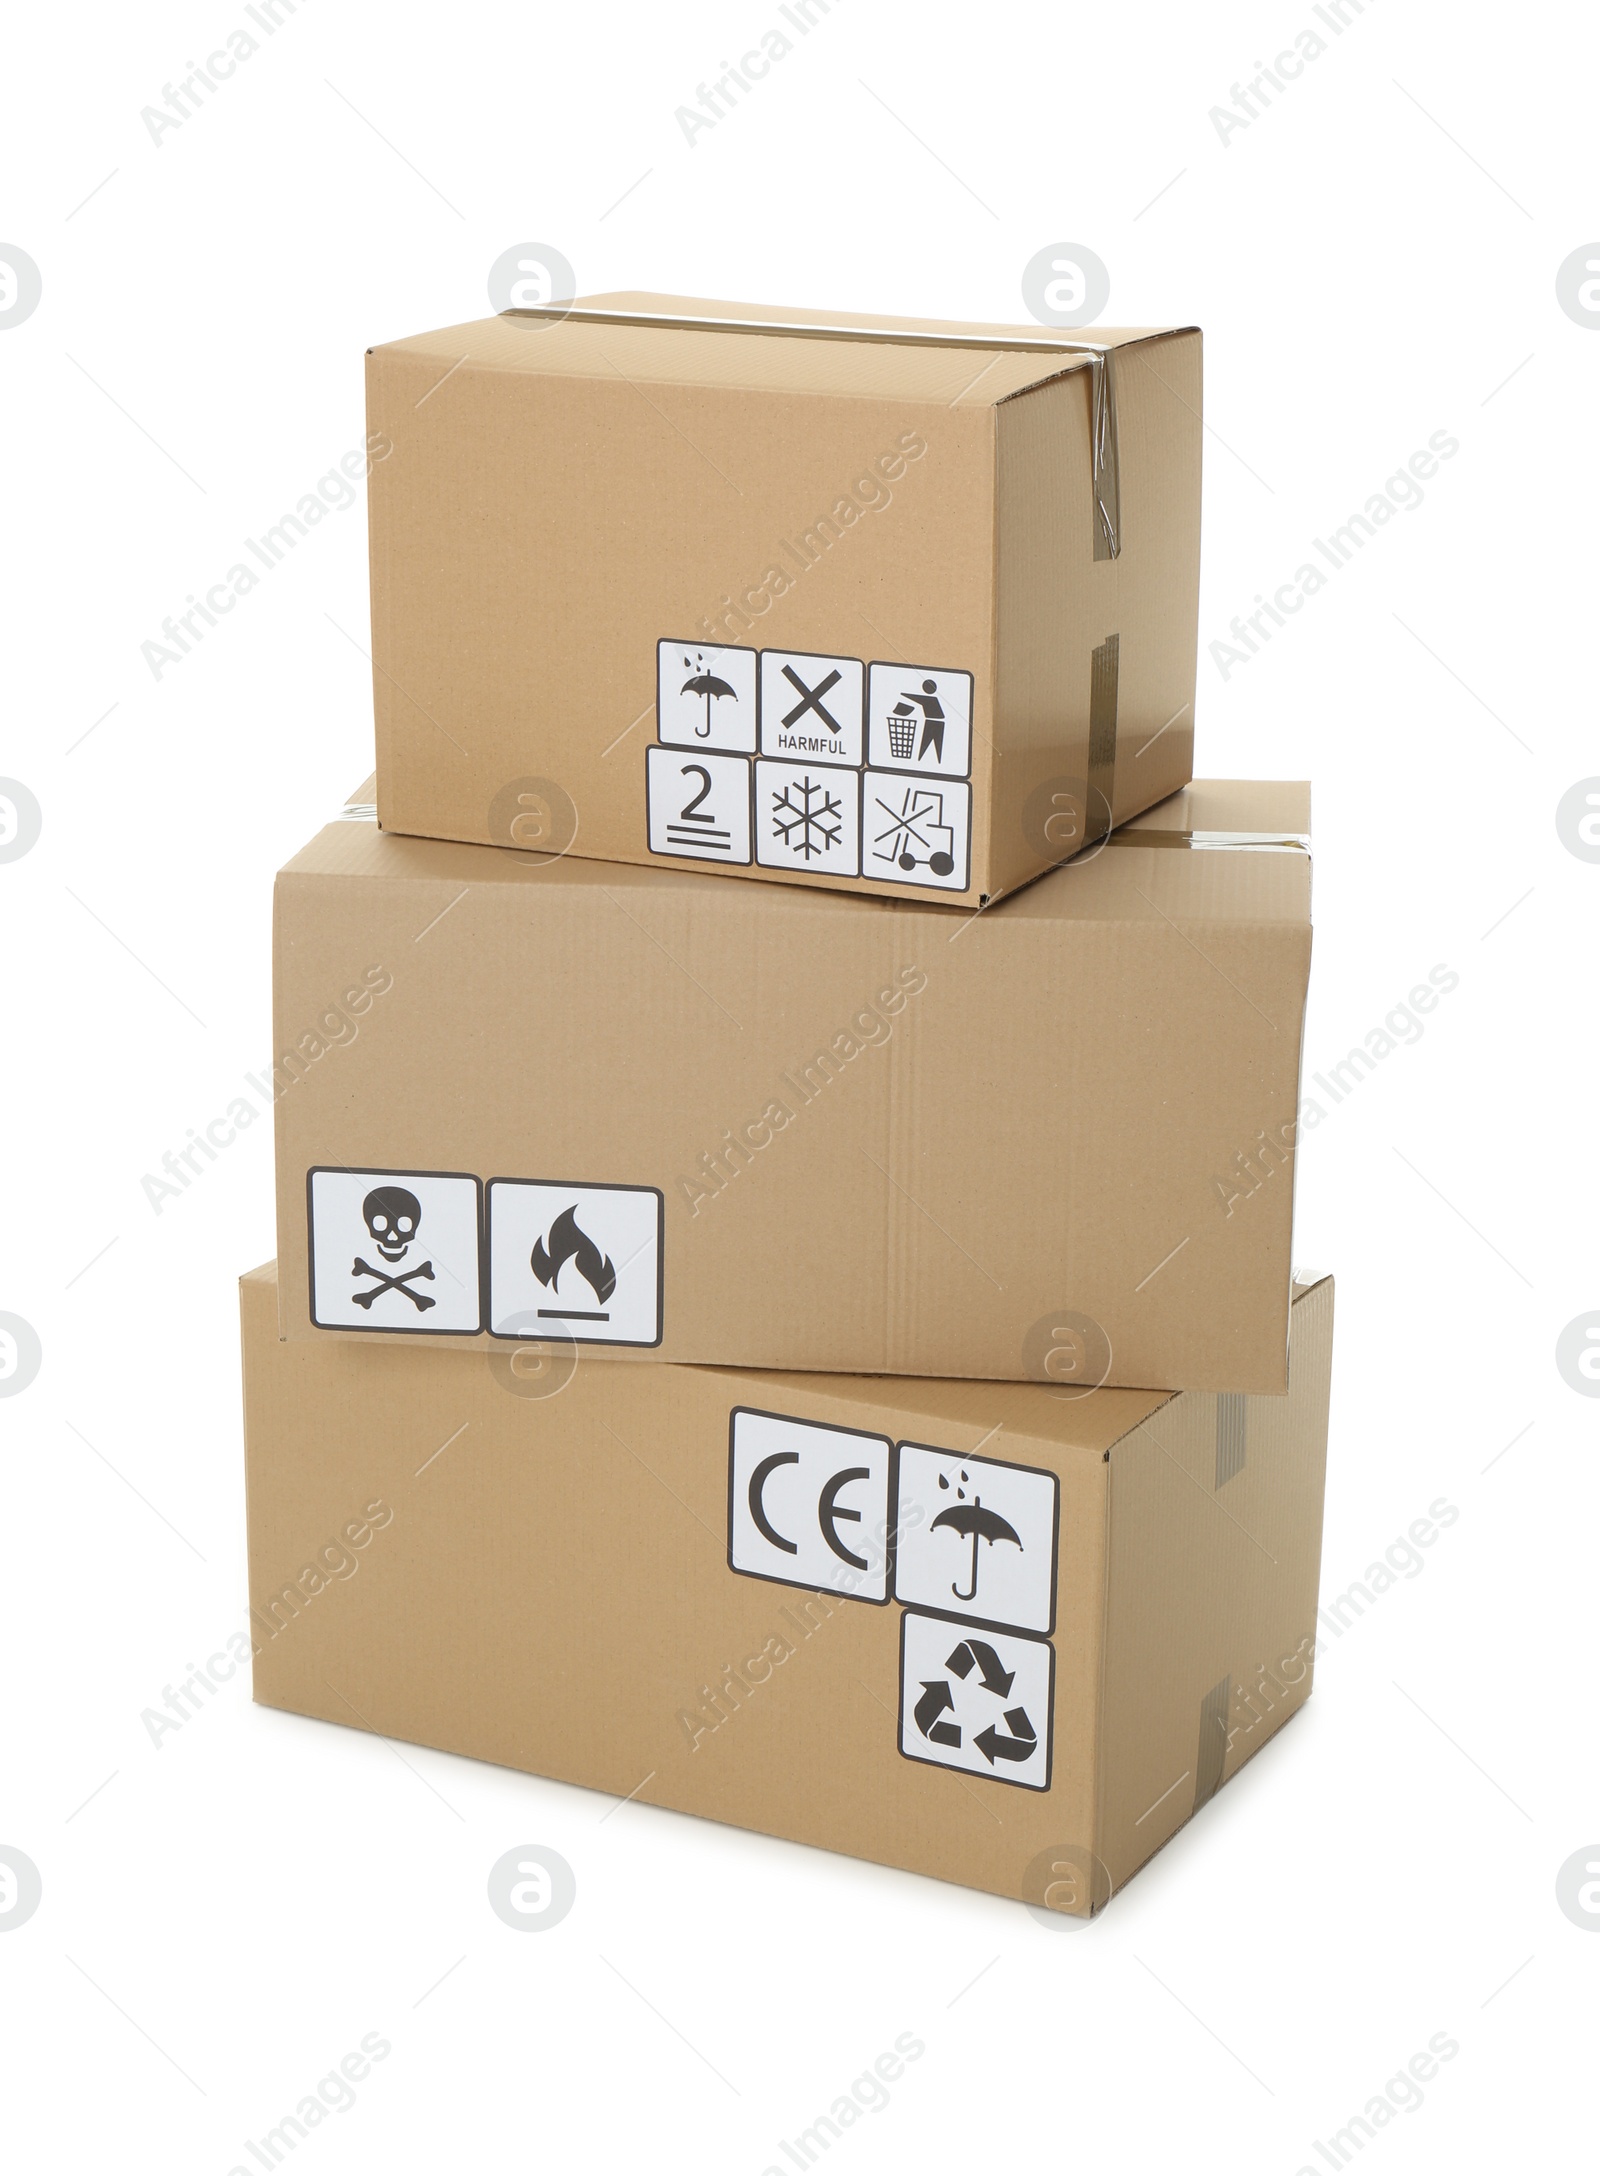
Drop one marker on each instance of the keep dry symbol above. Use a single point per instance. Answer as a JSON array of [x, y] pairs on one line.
[[976, 1523], [565, 1242], [706, 683]]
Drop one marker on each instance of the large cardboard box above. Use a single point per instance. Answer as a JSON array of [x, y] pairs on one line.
[[870, 604], [992, 1633], [651, 1112]]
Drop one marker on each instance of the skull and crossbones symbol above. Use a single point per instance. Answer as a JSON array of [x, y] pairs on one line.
[[392, 1215]]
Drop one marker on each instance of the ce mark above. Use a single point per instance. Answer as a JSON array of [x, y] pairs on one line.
[[829, 1509], [809, 1504]]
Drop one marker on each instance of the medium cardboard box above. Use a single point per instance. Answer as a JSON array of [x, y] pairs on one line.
[[870, 604], [758, 1127], [992, 1633]]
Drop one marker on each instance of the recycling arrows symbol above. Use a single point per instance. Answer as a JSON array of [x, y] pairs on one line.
[[938, 1698], [1019, 1746], [979, 1655]]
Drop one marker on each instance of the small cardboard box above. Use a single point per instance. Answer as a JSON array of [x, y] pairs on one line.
[[756, 1127], [870, 604], [991, 1633]]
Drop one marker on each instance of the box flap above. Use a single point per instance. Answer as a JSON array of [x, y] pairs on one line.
[[1215, 807], [999, 1413], [680, 340]]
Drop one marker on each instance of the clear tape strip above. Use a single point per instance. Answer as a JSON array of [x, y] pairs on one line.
[[1261, 842]]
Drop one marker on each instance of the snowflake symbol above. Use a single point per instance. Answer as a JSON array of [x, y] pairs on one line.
[[807, 817]]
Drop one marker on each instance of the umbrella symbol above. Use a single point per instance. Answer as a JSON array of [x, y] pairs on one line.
[[707, 684], [973, 1522]]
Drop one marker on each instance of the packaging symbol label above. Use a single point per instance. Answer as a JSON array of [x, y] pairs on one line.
[[982, 1702], [808, 816], [810, 805], [699, 805], [978, 1538], [706, 697], [916, 830], [809, 1505], [578, 1262], [811, 707], [919, 719], [394, 1250]]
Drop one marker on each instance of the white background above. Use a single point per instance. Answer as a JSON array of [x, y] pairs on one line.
[[1373, 261]]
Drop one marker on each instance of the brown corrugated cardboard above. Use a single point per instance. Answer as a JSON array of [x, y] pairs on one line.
[[771, 1128], [874, 605], [992, 1633]]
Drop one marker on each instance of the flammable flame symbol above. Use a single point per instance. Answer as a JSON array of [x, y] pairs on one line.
[[565, 1242]]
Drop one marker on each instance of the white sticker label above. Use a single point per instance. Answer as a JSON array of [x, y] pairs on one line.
[[809, 805], [699, 805], [977, 1538], [981, 1702], [808, 816], [394, 1250], [916, 830], [919, 719], [808, 1504], [811, 707], [578, 1262], [706, 697]]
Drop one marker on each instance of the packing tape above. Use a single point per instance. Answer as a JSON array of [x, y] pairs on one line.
[[1103, 675], [1262, 842], [1232, 1435], [1211, 1755], [1102, 382]]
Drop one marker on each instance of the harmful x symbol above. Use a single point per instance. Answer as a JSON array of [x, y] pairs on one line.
[[419, 1300], [811, 698]]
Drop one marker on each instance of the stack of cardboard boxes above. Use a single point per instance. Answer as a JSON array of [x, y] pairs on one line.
[[819, 1351]]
